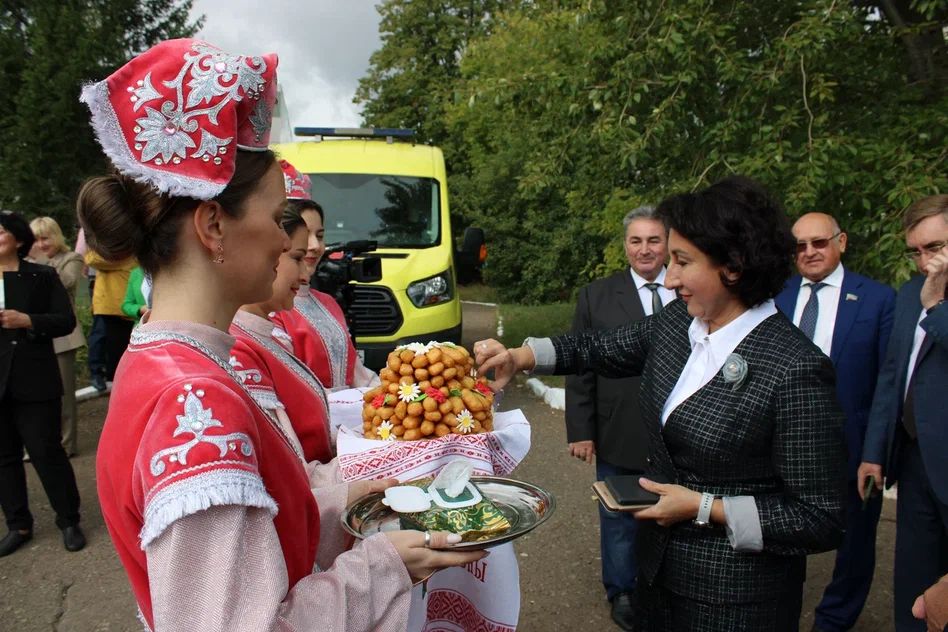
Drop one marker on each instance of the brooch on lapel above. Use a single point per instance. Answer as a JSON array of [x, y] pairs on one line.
[[734, 371], [851, 297]]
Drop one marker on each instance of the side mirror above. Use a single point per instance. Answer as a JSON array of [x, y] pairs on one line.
[[472, 254]]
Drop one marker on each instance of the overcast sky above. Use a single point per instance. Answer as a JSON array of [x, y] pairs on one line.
[[324, 48]]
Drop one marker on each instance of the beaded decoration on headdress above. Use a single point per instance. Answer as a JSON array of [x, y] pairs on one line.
[[174, 116]]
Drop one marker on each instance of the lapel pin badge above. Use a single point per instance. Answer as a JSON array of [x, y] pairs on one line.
[[852, 297]]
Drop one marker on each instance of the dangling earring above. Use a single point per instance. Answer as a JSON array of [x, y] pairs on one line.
[[220, 253]]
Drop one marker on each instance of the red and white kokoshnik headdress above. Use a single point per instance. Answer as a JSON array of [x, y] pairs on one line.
[[298, 185], [174, 116]]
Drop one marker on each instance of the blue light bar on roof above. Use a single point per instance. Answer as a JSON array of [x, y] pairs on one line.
[[364, 132]]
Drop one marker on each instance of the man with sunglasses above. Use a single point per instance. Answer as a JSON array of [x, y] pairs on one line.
[[907, 437], [849, 317]]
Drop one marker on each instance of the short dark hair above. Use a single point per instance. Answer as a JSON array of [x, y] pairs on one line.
[[307, 205], [739, 225], [16, 225]]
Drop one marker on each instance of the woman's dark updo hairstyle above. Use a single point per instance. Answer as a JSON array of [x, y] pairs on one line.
[[291, 220], [124, 218], [307, 205], [16, 225], [739, 225]]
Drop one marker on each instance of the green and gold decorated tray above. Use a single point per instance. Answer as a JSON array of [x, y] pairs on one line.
[[524, 506]]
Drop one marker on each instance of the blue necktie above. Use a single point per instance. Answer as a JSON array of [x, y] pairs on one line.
[[811, 311]]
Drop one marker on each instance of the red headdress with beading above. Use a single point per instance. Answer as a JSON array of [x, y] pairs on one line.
[[174, 116], [298, 185]]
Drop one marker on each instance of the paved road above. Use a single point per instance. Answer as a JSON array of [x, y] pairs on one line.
[[45, 588]]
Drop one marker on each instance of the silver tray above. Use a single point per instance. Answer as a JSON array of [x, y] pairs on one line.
[[524, 505]]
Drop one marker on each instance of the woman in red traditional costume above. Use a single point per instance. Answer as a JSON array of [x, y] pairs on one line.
[[206, 498], [263, 357], [316, 323]]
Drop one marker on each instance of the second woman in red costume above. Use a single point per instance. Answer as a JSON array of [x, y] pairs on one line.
[[316, 323], [207, 498], [263, 354]]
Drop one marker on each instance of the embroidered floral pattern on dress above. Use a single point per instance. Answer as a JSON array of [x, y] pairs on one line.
[[195, 421], [245, 375], [149, 337]]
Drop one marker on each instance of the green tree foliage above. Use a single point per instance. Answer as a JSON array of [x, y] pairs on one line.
[[571, 113], [413, 74], [412, 78], [49, 49]]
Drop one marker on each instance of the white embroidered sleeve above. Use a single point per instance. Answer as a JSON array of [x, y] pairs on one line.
[[197, 451], [223, 570]]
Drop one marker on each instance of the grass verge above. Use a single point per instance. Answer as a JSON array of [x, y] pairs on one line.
[[538, 321], [477, 292]]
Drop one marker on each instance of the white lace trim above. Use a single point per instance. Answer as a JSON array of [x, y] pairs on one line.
[[200, 492], [109, 133]]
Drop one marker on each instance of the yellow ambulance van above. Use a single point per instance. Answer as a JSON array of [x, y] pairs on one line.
[[376, 185]]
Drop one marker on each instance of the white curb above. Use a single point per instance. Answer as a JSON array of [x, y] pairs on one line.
[[555, 398]]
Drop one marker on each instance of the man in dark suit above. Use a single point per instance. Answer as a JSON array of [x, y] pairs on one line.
[[602, 414], [907, 437], [849, 317]]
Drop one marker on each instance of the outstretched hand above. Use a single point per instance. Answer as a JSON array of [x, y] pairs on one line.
[[491, 355]]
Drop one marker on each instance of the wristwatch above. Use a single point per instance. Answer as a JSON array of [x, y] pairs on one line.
[[703, 519]]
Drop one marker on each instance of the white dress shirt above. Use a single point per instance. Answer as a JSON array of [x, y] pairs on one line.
[[709, 351], [916, 348], [645, 294], [828, 298]]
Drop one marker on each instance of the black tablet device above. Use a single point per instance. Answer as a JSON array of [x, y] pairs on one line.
[[627, 491]]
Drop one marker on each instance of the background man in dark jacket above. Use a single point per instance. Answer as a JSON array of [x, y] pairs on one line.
[[908, 427], [602, 414], [849, 317]]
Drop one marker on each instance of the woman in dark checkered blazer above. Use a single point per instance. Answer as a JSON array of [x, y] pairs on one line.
[[741, 413]]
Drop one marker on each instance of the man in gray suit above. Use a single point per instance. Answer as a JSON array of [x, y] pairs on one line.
[[602, 414]]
